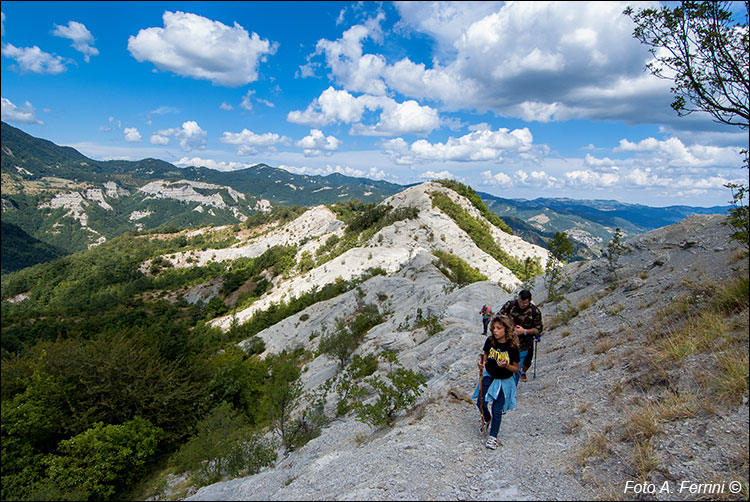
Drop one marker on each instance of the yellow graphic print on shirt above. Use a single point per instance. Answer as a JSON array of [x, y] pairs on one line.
[[499, 356]]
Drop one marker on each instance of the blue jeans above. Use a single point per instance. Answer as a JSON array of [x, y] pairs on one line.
[[517, 374], [497, 407]]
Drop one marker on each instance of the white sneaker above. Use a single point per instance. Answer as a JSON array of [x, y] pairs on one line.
[[491, 442]]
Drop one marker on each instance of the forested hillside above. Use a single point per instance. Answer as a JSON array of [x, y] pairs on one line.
[[117, 348], [70, 202]]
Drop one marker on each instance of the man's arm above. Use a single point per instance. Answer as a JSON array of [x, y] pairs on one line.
[[538, 325]]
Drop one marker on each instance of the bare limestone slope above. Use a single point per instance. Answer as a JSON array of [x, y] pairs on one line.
[[583, 389], [390, 248]]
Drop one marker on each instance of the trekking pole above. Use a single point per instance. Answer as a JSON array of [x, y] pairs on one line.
[[481, 400], [536, 349]]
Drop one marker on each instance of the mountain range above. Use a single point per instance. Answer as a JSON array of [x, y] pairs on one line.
[[58, 198]]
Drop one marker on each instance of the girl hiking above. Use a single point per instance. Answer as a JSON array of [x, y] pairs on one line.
[[499, 360]]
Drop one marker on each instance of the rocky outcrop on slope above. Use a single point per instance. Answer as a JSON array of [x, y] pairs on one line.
[[390, 248], [435, 451], [185, 190]]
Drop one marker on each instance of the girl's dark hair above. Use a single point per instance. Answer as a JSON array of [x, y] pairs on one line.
[[508, 325]]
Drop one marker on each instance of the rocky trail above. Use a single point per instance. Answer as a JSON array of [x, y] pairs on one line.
[[591, 375]]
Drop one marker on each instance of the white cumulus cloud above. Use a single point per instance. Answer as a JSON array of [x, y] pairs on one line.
[[210, 163], [34, 60], [476, 146], [194, 46], [13, 113], [132, 135], [190, 136], [247, 142], [538, 61], [316, 142], [83, 40], [332, 106], [673, 152]]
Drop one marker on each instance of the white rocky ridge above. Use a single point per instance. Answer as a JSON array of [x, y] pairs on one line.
[[263, 205], [73, 202], [138, 215], [114, 190], [435, 452], [97, 196], [184, 190], [390, 248]]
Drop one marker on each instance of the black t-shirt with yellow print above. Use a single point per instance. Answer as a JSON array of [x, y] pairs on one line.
[[497, 351]]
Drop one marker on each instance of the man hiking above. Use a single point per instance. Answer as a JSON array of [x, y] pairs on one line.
[[528, 326], [486, 316]]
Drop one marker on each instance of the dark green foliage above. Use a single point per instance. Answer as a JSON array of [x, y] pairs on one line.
[[282, 388], [238, 379], [276, 312], [278, 214], [224, 444], [347, 211], [216, 307], [615, 249], [457, 270], [21, 250], [478, 231], [431, 323], [398, 391], [739, 213], [560, 250], [361, 217], [104, 459], [349, 333], [476, 201]]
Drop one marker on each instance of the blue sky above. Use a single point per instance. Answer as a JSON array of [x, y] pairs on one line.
[[520, 100]]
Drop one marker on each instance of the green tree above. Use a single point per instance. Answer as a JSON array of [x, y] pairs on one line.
[[615, 249], [223, 444], [560, 250], [282, 389], [739, 217], [704, 51], [104, 459], [398, 391], [238, 379], [349, 333]]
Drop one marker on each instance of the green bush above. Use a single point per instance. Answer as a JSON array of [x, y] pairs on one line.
[[476, 201], [479, 233], [457, 270], [349, 333], [282, 389], [104, 459], [398, 391], [223, 444], [431, 323], [238, 379]]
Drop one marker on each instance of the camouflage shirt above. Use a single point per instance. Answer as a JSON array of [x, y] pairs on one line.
[[528, 318]]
